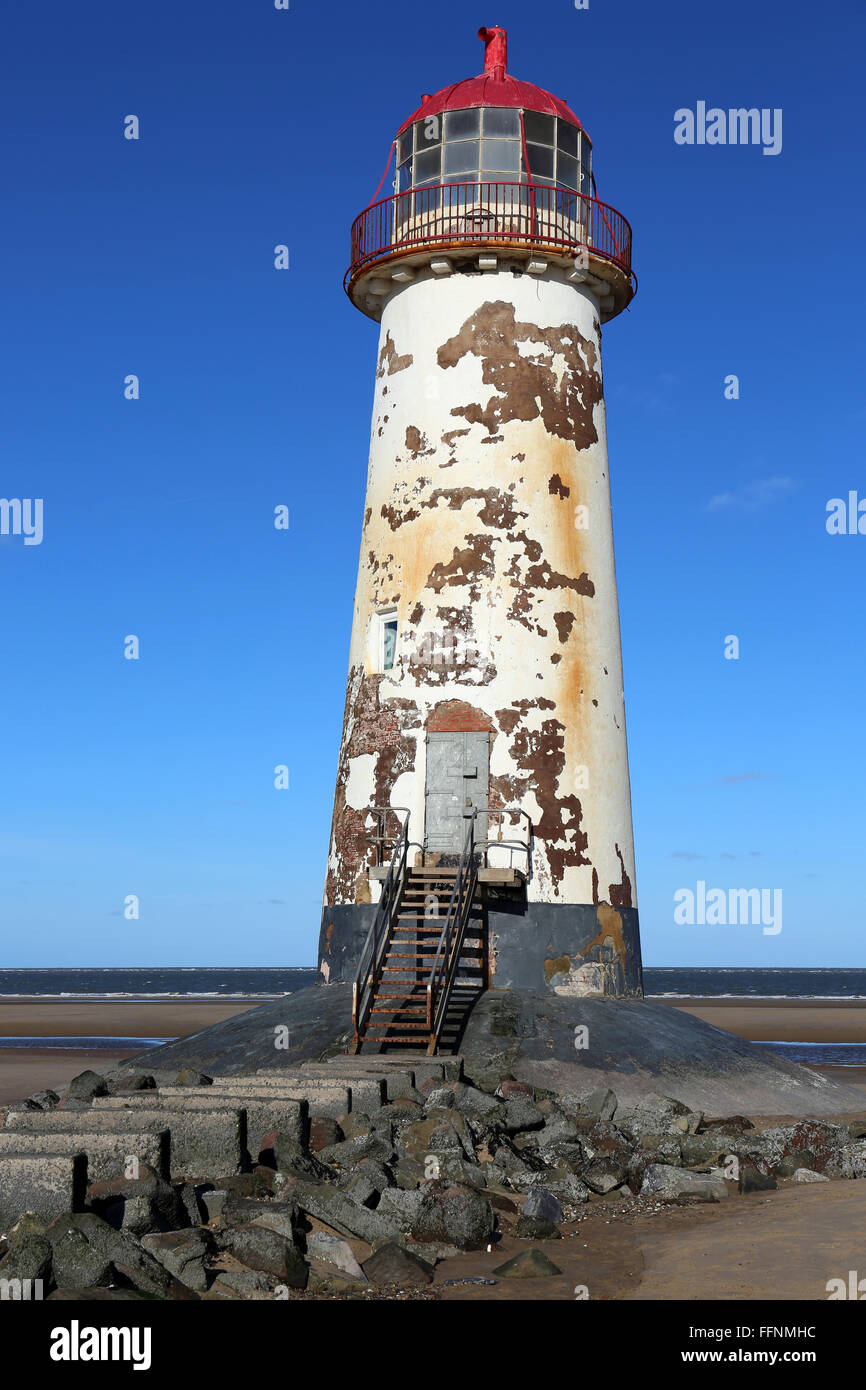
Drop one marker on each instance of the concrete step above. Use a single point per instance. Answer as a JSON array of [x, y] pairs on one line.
[[262, 1115], [203, 1143], [420, 1067], [327, 1101], [366, 1093], [107, 1152], [46, 1184]]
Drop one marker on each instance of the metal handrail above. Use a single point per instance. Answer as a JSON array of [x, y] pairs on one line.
[[484, 213], [447, 959], [524, 846], [376, 945], [380, 839]]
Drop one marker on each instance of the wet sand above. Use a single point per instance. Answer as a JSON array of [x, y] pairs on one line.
[[25, 1070], [772, 1245], [775, 1245], [781, 1020], [109, 1018], [788, 1020]]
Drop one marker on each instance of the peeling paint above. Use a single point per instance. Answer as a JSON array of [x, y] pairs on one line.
[[496, 590], [531, 385]]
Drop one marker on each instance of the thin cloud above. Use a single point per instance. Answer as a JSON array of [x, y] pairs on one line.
[[747, 777], [751, 496]]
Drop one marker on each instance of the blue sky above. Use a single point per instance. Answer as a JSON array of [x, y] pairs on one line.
[[155, 257]]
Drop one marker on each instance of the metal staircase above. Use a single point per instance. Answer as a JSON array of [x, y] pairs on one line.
[[422, 967]]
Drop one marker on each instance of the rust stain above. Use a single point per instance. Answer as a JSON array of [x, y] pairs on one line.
[[561, 965], [564, 624], [610, 932], [557, 486]]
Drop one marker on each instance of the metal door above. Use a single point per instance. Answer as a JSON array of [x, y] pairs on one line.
[[458, 767]]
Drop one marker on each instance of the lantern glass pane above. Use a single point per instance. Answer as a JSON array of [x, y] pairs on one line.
[[501, 122], [462, 125], [566, 137], [462, 158], [500, 154], [538, 128]]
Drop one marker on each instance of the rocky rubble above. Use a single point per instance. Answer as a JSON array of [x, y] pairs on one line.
[[366, 1179]]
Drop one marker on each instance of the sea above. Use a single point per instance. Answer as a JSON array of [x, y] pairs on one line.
[[262, 983]]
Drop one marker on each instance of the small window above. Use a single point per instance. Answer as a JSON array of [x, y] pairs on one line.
[[387, 623], [404, 146]]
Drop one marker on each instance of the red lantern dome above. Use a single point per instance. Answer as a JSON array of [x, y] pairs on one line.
[[493, 87]]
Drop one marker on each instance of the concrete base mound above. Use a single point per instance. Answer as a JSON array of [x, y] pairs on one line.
[[632, 1045]]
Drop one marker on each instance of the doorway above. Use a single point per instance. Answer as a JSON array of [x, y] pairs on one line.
[[458, 775]]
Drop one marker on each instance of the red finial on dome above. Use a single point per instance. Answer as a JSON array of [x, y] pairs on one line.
[[495, 50]]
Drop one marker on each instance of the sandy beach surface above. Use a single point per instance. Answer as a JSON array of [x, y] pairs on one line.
[[23, 1071], [771, 1245], [782, 1020]]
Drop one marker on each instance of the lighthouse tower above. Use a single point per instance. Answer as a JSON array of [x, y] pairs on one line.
[[482, 815]]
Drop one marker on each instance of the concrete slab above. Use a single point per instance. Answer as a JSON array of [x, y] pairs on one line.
[[46, 1184], [202, 1142], [367, 1091], [262, 1115], [322, 1101], [108, 1153]]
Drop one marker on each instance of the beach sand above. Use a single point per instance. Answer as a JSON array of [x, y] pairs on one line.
[[782, 1020], [24, 1071], [788, 1020], [775, 1245]]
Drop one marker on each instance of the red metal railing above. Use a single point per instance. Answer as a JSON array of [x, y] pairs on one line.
[[484, 214]]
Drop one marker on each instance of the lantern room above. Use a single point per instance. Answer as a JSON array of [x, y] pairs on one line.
[[496, 144], [495, 165]]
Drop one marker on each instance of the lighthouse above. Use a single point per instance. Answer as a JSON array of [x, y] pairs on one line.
[[482, 831]]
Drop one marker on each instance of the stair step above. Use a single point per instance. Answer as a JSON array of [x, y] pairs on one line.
[[386, 1038], [416, 1027], [402, 1014]]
